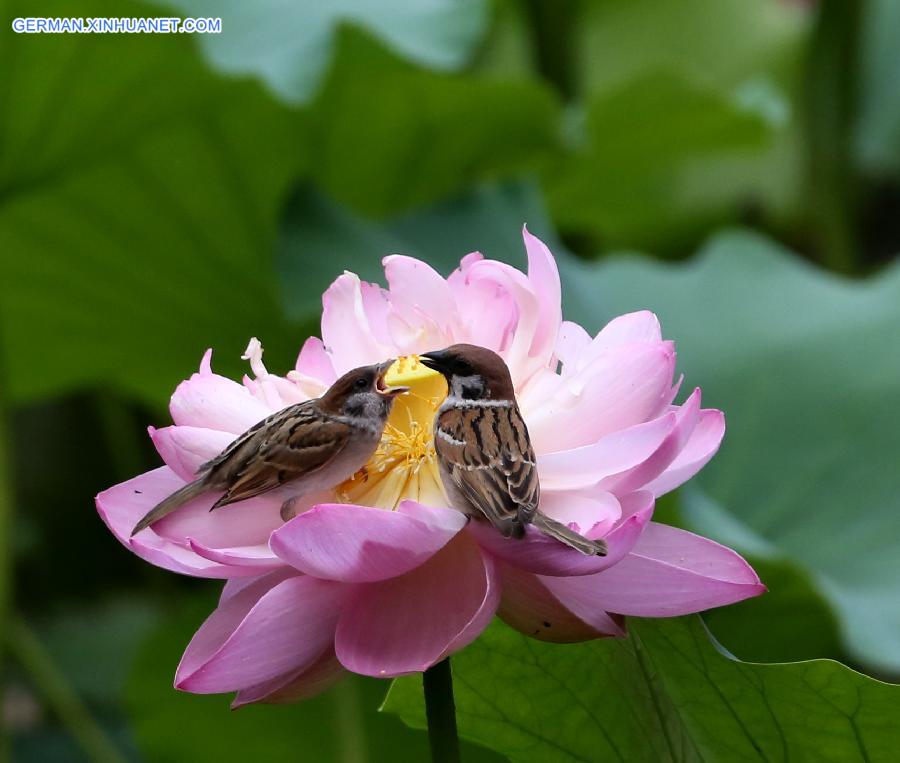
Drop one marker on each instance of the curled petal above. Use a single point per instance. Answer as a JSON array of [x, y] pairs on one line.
[[211, 401], [122, 505], [361, 544], [184, 449], [686, 418], [673, 572], [259, 558], [700, 448], [285, 629], [612, 454], [407, 624], [305, 683], [530, 606], [543, 555]]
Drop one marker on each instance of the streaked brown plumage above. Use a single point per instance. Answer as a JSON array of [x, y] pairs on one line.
[[486, 460], [299, 450]]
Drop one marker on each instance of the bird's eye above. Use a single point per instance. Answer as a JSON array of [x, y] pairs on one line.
[[361, 383]]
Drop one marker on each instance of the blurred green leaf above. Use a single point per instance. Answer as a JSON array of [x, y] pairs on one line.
[[289, 45], [718, 42], [805, 366], [342, 725], [878, 123], [631, 180], [388, 136], [137, 210], [320, 238], [667, 693]]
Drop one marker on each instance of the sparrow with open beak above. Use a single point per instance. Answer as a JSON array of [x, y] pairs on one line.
[[484, 453], [299, 450]]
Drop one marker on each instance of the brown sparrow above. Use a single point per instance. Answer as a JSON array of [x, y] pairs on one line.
[[484, 453], [300, 450]]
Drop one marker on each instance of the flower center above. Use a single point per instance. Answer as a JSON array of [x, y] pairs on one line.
[[404, 466]]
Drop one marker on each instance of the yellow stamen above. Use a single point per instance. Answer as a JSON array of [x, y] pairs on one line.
[[404, 466]]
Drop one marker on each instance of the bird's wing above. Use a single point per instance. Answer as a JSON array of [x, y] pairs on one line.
[[486, 453], [289, 444]]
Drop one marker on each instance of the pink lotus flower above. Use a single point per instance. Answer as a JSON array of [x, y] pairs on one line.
[[379, 576]]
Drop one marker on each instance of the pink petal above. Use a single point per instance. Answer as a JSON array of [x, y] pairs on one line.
[[305, 683], [286, 629], [407, 624], [315, 362], [520, 354], [210, 401], [529, 606], [247, 523], [686, 418], [361, 544], [591, 515], [612, 454], [346, 330], [631, 328], [571, 344], [700, 448], [487, 313], [620, 388], [544, 278], [184, 449], [260, 558], [228, 615], [122, 505], [419, 290], [545, 556], [673, 572]]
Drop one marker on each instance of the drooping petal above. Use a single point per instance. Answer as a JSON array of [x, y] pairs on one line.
[[529, 606], [305, 683], [673, 572], [700, 448], [122, 505], [618, 389], [286, 629], [361, 544], [408, 623], [543, 555], [346, 331], [612, 454], [686, 418], [211, 401], [184, 449]]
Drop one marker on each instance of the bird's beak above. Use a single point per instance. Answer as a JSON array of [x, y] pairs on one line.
[[382, 387], [433, 360]]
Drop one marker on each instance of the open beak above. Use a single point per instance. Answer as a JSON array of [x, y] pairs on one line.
[[382, 387]]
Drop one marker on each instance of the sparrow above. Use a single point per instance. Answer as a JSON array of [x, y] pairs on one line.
[[299, 450], [484, 454]]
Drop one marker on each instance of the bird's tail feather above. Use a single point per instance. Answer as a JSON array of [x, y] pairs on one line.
[[563, 534], [170, 504]]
